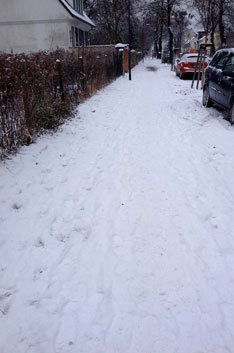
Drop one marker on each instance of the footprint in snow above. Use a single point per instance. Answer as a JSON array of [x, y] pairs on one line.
[[16, 206], [46, 171], [63, 238], [5, 295], [5, 303], [37, 274], [85, 232], [35, 303], [117, 244], [5, 309], [39, 244]]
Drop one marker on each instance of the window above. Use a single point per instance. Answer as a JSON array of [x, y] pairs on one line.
[[222, 58], [230, 64], [192, 59], [78, 5], [72, 36], [77, 42], [78, 37], [82, 37], [214, 60]]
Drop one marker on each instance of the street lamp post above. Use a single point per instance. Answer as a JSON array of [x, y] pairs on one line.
[[129, 41]]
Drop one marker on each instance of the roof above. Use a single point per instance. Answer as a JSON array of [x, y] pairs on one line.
[[229, 50], [84, 18], [202, 38], [189, 40]]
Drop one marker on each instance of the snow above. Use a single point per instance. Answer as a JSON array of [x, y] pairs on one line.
[[229, 50], [120, 45], [189, 40], [117, 233]]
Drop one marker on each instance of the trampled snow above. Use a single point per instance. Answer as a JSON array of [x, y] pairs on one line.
[[117, 233]]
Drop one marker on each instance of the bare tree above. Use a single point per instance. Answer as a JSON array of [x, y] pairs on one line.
[[111, 19], [215, 14], [169, 17], [156, 18], [169, 5], [181, 21]]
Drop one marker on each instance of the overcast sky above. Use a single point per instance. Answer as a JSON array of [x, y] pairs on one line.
[[195, 25]]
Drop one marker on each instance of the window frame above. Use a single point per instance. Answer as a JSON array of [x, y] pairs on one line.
[[78, 6], [230, 56], [221, 56], [78, 37], [214, 59]]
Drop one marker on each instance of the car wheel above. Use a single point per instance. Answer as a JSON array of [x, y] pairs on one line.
[[206, 98], [231, 113]]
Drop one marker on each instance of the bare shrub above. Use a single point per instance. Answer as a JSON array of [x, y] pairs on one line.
[[39, 91]]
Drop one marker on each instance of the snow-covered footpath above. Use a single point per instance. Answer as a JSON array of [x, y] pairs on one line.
[[117, 234]]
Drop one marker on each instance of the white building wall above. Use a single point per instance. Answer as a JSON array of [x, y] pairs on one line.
[[21, 10], [33, 25], [34, 37]]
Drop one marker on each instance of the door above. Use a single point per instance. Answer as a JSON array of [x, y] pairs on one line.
[[217, 77], [211, 75], [227, 81]]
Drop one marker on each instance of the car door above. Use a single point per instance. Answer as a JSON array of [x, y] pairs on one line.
[[211, 75], [227, 81], [217, 77]]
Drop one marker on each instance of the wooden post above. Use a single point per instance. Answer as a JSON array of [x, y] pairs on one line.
[[199, 70], [195, 71], [203, 69]]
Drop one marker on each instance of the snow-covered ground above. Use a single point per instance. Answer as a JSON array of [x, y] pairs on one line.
[[117, 234]]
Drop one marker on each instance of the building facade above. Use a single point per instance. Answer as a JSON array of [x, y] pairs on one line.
[[33, 25], [190, 44]]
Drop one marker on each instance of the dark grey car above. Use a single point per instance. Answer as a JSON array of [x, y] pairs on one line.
[[219, 82]]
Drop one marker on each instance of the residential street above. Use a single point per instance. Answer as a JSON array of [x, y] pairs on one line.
[[117, 232]]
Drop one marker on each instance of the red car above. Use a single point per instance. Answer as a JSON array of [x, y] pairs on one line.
[[187, 65]]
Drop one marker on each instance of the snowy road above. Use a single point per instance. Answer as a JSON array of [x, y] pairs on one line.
[[117, 234]]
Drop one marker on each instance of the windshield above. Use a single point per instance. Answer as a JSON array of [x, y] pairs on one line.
[[192, 59]]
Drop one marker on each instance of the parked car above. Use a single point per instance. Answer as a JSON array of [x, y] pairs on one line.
[[165, 56], [187, 64], [219, 82]]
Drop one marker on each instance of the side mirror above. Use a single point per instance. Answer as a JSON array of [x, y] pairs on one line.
[[228, 73]]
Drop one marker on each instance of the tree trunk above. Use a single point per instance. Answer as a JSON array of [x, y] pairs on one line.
[[169, 9], [221, 25]]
